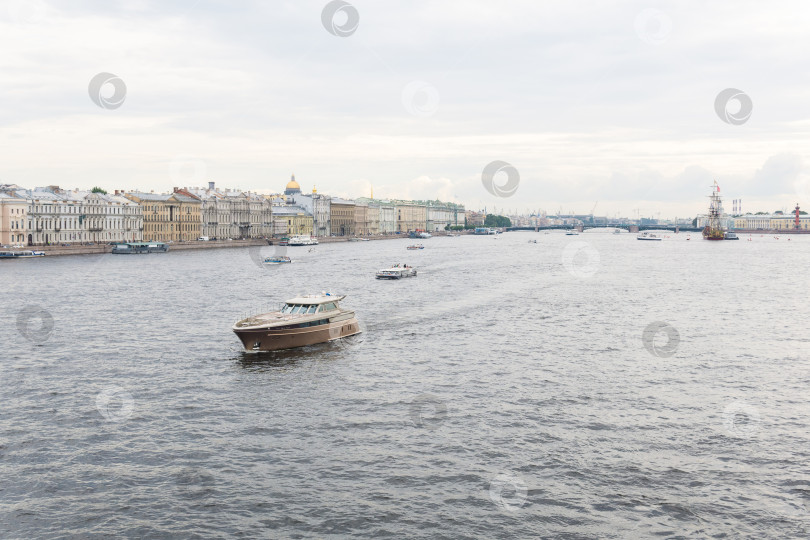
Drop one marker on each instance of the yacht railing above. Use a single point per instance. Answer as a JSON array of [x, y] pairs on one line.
[[260, 309]]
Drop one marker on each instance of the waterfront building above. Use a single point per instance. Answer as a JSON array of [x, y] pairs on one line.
[[320, 207], [441, 215], [291, 219], [788, 222], [410, 216], [57, 216], [361, 219], [474, 218], [232, 213], [388, 219], [169, 217], [342, 217], [13, 219], [373, 219], [382, 215]]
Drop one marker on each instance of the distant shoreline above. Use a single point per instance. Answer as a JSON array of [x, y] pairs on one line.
[[100, 249]]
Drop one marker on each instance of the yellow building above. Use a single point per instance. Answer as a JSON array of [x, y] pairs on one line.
[[410, 216], [361, 222], [172, 217], [13, 215], [781, 223], [291, 220]]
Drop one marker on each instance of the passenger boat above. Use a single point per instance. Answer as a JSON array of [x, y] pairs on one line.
[[304, 320], [572, 233], [137, 248], [356, 239], [26, 254], [647, 235], [302, 240], [284, 241], [730, 236], [277, 259], [397, 272], [416, 246]]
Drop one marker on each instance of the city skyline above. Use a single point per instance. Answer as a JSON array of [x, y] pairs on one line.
[[614, 106]]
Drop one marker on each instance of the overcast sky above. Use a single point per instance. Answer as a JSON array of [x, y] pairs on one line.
[[609, 104]]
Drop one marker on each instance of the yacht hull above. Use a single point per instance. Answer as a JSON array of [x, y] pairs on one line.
[[277, 339]]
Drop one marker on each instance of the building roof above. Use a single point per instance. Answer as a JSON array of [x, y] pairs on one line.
[[289, 210], [338, 200], [162, 197]]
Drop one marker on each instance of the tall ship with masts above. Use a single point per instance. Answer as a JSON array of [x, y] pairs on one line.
[[714, 229]]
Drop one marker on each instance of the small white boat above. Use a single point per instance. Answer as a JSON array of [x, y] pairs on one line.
[[572, 233], [617, 231], [532, 241], [416, 246], [397, 272], [355, 239], [647, 235], [302, 240]]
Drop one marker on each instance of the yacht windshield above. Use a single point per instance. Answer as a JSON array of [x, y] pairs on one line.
[[311, 309]]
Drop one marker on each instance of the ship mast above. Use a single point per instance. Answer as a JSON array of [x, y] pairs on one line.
[[713, 229]]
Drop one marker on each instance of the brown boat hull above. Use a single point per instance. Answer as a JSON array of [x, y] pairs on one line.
[[277, 339]]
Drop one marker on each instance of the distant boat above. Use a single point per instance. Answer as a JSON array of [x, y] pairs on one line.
[[27, 254], [571, 233], [276, 259], [397, 272], [646, 235], [138, 248], [302, 240], [730, 236], [416, 246]]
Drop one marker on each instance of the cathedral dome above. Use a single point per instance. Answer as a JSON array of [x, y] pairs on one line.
[[292, 187]]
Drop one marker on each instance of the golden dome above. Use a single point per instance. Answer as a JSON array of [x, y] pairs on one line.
[[293, 184]]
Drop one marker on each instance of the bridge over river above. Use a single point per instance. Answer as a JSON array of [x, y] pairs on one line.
[[631, 228]]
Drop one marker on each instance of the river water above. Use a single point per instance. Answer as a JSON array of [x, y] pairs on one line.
[[588, 386]]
